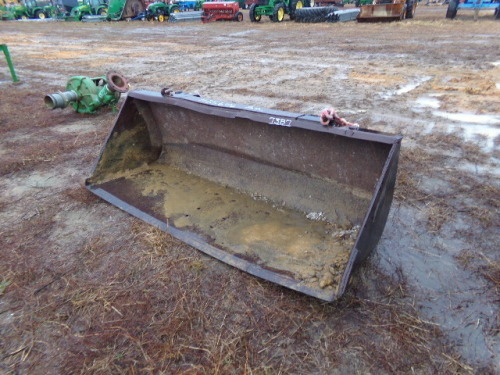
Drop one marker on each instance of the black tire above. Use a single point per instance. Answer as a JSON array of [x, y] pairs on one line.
[[357, 3], [314, 15], [278, 13], [293, 7], [238, 17], [251, 13], [451, 12], [409, 9], [497, 13], [39, 14]]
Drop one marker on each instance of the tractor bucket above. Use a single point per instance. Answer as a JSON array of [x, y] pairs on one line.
[[275, 194], [382, 12]]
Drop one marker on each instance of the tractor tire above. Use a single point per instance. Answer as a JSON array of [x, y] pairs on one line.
[[497, 13], [39, 14], [238, 17], [278, 13], [409, 9], [296, 4], [451, 12], [357, 3], [314, 15], [132, 8], [252, 13], [161, 18]]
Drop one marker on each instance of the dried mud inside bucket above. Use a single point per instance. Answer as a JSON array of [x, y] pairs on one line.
[[275, 237]]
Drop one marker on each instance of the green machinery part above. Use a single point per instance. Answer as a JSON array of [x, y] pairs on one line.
[[86, 94], [5, 50]]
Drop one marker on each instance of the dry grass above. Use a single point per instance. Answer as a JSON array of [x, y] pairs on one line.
[[483, 265], [162, 310]]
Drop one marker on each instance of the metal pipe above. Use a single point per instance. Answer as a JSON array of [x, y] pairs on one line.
[[60, 100]]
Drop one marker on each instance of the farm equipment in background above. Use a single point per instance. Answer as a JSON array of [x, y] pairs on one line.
[[221, 10], [387, 11], [65, 6], [87, 94], [190, 10], [228, 179], [87, 8], [124, 9], [276, 9], [475, 5], [326, 14], [5, 13], [189, 5], [359, 3], [328, 3], [5, 9], [33, 9], [159, 11]]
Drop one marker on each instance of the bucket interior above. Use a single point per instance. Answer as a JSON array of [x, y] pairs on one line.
[[288, 202]]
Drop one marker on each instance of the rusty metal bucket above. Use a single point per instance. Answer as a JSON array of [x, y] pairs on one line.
[[272, 193], [382, 12]]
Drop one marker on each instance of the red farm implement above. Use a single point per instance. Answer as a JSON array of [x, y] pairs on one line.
[[223, 10]]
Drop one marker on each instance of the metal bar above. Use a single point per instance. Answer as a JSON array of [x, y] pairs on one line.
[[186, 16], [5, 50]]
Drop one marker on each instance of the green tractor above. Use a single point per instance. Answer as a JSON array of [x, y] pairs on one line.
[[276, 9], [160, 11], [125, 9], [33, 9], [88, 8]]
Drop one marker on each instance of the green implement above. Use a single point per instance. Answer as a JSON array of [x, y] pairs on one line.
[[5, 50], [33, 9], [88, 8], [276, 9]]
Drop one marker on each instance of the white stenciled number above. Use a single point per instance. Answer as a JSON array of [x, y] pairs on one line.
[[280, 121]]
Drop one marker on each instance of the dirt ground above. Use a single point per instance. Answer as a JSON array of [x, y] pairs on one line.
[[87, 289]]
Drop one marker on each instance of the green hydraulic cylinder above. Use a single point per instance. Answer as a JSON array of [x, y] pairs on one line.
[[5, 50]]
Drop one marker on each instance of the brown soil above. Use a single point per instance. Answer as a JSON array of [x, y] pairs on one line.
[[86, 288]]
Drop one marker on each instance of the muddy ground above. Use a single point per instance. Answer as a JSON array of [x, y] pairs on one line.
[[87, 289]]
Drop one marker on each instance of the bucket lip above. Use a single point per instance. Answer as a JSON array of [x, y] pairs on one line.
[[268, 116]]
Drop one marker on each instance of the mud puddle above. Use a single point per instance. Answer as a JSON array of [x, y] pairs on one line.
[[454, 298]]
